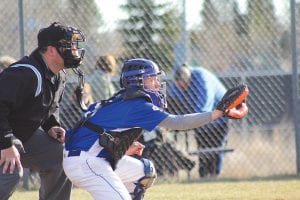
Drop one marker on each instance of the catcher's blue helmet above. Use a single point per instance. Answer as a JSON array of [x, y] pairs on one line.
[[134, 71]]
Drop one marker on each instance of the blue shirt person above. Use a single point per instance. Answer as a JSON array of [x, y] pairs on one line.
[[196, 89]]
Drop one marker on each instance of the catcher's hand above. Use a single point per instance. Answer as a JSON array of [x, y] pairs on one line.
[[238, 112], [233, 103]]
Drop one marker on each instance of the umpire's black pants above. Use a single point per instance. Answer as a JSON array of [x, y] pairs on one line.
[[43, 155]]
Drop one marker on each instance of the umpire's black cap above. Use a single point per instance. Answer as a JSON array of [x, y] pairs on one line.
[[52, 34]]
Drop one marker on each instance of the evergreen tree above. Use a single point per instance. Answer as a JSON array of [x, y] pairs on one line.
[[262, 17], [240, 21], [214, 44], [264, 34], [210, 15], [150, 31], [86, 15]]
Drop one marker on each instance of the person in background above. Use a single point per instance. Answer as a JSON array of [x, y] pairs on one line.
[[30, 92], [199, 90], [5, 61], [100, 80]]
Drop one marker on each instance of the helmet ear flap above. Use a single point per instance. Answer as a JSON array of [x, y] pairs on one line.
[[131, 81]]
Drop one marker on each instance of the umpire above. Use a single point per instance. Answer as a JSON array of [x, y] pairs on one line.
[[30, 92]]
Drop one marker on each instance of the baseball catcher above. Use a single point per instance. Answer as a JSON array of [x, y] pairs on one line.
[[98, 150]]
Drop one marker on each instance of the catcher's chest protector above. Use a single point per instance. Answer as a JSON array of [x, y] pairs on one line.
[[117, 143]]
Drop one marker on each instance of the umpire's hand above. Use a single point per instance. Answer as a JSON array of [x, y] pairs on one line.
[[10, 157], [57, 133]]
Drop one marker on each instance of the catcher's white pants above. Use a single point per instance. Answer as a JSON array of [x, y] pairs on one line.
[[95, 175]]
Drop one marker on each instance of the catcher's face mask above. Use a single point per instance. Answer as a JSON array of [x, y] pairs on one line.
[[156, 89]]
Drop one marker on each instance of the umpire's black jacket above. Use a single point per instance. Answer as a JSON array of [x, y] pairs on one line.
[[29, 97]]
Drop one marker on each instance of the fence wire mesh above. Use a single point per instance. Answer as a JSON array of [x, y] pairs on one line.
[[239, 41]]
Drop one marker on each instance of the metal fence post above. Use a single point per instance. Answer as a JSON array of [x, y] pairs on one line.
[[182, 45], [295, 82], [21, 28]]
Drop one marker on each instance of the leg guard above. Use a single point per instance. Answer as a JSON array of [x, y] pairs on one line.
[[144, 182]]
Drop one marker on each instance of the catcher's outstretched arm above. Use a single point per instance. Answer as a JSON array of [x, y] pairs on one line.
[[195, 120], [232, 105], [189, 121]]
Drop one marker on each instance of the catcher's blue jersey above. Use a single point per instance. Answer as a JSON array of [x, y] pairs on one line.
[[117, 116]]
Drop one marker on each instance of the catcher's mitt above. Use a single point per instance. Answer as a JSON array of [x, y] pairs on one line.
[[233, 102]]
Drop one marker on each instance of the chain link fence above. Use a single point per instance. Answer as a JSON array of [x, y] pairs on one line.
[[239, 41]]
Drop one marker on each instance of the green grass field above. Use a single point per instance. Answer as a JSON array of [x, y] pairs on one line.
[[284, 189]]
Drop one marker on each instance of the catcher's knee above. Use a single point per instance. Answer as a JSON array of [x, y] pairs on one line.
[[146, 181]]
